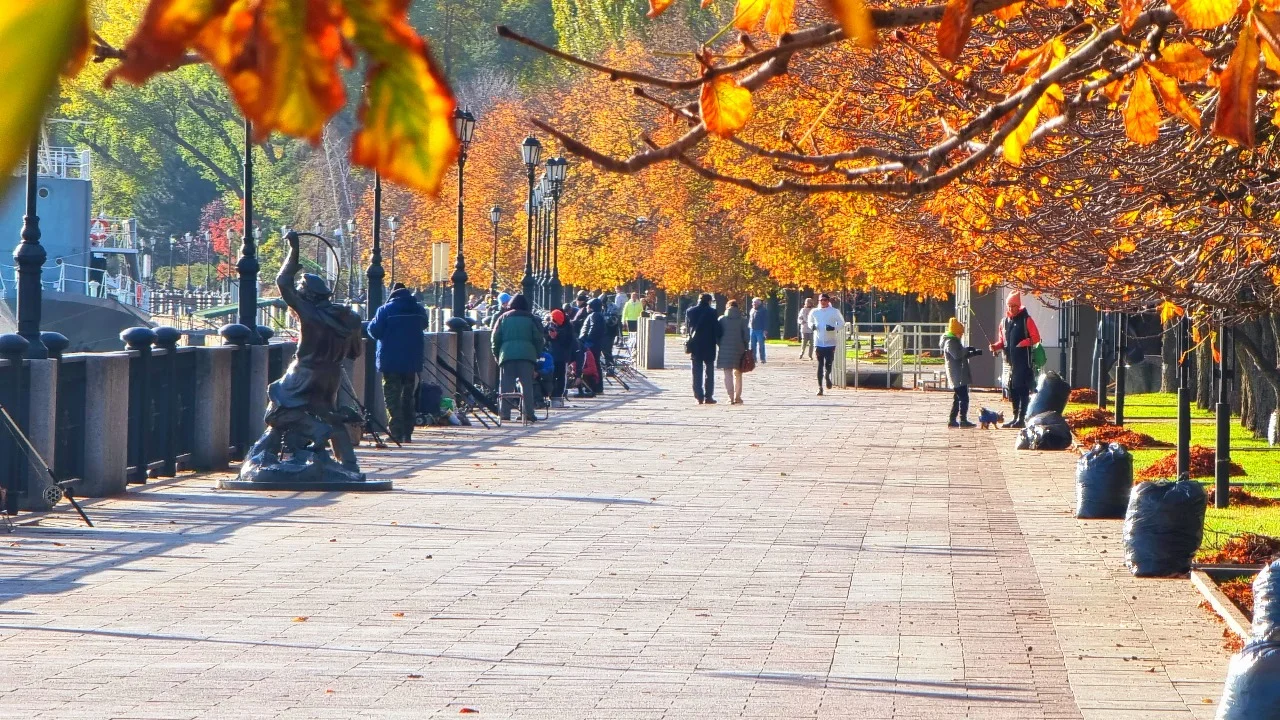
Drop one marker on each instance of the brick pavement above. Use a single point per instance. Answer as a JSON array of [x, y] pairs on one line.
[[638, 557]]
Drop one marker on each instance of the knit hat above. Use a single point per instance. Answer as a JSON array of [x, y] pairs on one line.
[[557, 316], [1015, 297], [955, 327], [504, 298]]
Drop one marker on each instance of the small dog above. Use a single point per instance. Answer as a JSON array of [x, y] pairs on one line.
[[988, 417]]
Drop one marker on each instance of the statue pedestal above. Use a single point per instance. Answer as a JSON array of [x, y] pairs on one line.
[[326, 476]]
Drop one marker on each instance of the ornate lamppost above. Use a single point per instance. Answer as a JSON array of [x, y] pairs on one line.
[[555, 293], [538, 234], [464, 126], [29, 258], [531, 153], [247, 266], [495, 215], [173, 244], [393, 225]]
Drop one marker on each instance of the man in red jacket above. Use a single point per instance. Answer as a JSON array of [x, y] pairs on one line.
[[1018, 335]]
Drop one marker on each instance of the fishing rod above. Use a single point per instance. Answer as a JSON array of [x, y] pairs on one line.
[[59, 488]]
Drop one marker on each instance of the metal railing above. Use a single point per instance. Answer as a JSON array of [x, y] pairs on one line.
[[892, 345], [66, 163]]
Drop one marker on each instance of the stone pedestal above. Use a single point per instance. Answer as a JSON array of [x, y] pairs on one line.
[[106, 446], [212, 408], [258, 360], [466, 359], [652, 342], [447, 351], [486, 363]]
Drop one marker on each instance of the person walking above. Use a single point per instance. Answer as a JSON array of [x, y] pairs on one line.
[[632, 311], [1017, 338], [564, 345], [398, 326], [958, 373], [703, 330], [734, 336], [592, 337], [806, 332], [517, 342], [759, 323], [825, 321]]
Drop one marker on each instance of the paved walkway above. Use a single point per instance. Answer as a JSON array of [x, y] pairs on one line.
[[638, 557]]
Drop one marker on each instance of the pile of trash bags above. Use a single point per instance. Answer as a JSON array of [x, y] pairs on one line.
[[1163, 527], [1104, 477], [1252, 691], [1046, 431], [1051, 395]]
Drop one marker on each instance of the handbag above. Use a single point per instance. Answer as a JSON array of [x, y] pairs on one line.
[[748, 362]]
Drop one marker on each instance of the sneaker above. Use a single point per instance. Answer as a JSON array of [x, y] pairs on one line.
[[819, 389], [966, 424], [709, 401], [953, 424], [738, 401]]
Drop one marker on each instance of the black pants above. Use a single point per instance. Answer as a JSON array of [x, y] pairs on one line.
[[704, 377], [400, 393], [509, 373], [826, 356], [960, 402], [557, 384], [1020, 396]]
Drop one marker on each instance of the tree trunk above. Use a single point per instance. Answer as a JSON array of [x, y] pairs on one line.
[[1258, 377]]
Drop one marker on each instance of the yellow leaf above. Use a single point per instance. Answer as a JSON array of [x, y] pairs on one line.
[[1238, 94], [778, 19], [1204, 14], [1015, 141], [953, 30], [40, 39], [1169, 311], [406, 117], [748, 13], [1195, 333], [855, 18], [657, 7], [725, 106], [1174, 101], [1183, 61], [1141, 114]]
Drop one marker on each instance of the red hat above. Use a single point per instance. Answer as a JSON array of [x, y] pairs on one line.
[[557, 317]]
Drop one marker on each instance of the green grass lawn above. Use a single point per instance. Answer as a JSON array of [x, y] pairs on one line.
[[1155, 413]]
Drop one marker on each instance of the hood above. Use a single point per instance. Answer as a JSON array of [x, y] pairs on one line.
[[733, 312], [402, 296]]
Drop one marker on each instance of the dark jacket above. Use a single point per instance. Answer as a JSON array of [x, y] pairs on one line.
[[398, 327], [957, 357], [565, 344], [594, 330], [517, 336], [704, 331], [734, 339], [1017, 335], [760, 318]]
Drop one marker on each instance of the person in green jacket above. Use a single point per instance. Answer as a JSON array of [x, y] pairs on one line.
[[517, 342], [632, 311]]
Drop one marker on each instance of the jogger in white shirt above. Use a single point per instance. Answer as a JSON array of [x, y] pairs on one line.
[[825, 321]]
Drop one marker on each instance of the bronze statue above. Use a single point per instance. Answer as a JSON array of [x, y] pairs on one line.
[[303, 418]]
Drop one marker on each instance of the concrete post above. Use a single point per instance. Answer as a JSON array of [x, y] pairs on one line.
[[258, 360], [41, 417], [212, 408], [653, 354], [431, 371], [447, 351], [377, 404], [106, 440], [486, 363], [466, 358]]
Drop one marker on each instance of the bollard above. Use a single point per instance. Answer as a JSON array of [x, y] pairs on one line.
[[139, 339], [1222, 448], [239, 336], [13, 347], [167, 339], [57, 343], [1122, 347]]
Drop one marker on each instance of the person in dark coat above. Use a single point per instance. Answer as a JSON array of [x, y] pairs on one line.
[[564, 346], [517, 342], [398, 327], [703, 329], [593, 336], [1017, 338], [580, 312]]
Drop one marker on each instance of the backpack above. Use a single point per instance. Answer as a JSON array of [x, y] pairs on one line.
[[590, 371]]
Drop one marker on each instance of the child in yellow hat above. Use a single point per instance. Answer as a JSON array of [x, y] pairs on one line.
[[958, 374]]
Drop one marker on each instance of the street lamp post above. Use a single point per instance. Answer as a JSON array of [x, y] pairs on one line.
[[392, 225], [537, 243], [247, 266], [530, 152], [495, 215], [173, 244], [555, 293], [375, 273], [187, 237], [464, 126], [208, 256], [29, 258]]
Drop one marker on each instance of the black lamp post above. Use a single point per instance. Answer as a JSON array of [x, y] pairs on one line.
[[173, 244], [495, 215], [29, 258], [464, 126], [555, 294], [393, 225], [375, 272], [247, 266], [538, 234], [531, 153]]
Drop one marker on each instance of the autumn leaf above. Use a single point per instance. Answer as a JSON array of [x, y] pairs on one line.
[[1238, 91], [1204, 14], [1215, 347], [40, 38], [1122, 247], [855, 18], [1141, 114], [1267, 24], [748, 13], [1169, 311], [1009, 12], [725, 106], [1183, 61], [1129, 12], [167, 30], [657, 7], [953, 31], [779, 17], [1015, 141], [1171, 95]]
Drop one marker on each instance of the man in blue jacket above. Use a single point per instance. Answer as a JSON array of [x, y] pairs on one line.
[[398, 328]]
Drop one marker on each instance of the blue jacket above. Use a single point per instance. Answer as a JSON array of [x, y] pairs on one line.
[[760, 318], [398, 328]]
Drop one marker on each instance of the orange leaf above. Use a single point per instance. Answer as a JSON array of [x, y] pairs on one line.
[[1129, 12], [1169, 311], [167, 29], [1183, 61], [1141, 114], [953, 31], [706, 4], [1015, 141], [1174, 101], [1213, 345], [855, 18], [1204, 14], [1009, 12], [657, 7], [1238, 91], [778, 19], [748, 13], [725, 106], [1267, 24]]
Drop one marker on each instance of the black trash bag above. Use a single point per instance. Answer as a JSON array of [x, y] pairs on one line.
[[429, 397], [1046, 431], [1252, 690], [1163, 527], [1104, 477], [1266, 604], [1051, 395]]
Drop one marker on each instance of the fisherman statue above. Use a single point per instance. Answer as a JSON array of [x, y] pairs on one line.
[[303, 418]]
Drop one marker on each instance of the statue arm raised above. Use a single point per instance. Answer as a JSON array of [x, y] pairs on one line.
[[288, 273]]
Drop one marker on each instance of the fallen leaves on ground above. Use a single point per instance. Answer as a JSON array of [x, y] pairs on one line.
[[1203, 463], [1107, 434], [1088, 418], [1245, 549], [1083, 395], [1244, 498]]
